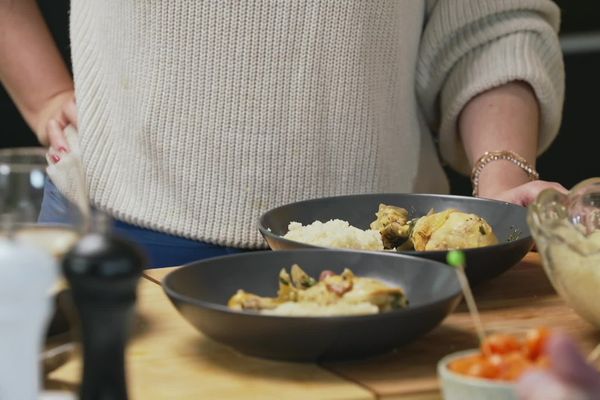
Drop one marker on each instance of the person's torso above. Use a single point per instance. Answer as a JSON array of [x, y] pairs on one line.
[[197, 116]]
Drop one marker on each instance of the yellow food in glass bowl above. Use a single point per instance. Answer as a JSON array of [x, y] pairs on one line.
[[566, 229]]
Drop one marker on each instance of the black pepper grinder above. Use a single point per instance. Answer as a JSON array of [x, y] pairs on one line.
[[103, 271]]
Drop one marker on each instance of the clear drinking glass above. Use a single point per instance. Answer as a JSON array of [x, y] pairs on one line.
[[36, 220], [31, 207]]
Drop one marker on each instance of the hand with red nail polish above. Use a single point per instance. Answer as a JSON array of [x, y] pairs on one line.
[[59, 112], [53, 156]]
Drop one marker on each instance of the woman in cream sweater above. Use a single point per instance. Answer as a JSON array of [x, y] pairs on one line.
[[195, 117]]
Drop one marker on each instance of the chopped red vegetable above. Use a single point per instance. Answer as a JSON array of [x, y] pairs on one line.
[[505, 357]]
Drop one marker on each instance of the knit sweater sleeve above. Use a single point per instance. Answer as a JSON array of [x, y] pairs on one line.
[[470, 46]]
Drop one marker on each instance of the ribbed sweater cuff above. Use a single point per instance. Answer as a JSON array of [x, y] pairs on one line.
[[522, 56]]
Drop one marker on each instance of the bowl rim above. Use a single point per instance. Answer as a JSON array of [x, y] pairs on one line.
[[167, 287], [446, 374], [523, 238]]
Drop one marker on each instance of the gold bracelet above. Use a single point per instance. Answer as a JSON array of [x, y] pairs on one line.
[[507, 155]]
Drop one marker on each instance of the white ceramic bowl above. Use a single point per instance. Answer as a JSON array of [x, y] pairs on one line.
[[460, 387]]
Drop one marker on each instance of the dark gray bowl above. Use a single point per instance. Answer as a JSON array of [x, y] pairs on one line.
[[200, 292], [508, 221]]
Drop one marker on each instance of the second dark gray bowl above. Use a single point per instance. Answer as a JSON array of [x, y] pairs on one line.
[[200, 292], [508, 221]]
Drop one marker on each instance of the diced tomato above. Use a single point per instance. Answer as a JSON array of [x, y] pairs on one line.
[[535, 342], [483, 369], [513, 365], [462, 365], [506, 357], [500, 344], [476, 366]]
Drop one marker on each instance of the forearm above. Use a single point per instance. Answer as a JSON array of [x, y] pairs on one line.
[[503, 118], [31, 67]]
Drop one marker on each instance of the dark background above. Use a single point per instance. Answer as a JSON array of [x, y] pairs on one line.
[[574, 156]]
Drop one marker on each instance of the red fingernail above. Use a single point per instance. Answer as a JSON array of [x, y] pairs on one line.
[[55, 158], [62, 149]]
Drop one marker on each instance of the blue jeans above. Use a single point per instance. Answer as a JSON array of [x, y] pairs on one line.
[[162, 250]]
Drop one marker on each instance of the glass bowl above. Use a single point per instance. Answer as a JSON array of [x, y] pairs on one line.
[[566, 228]]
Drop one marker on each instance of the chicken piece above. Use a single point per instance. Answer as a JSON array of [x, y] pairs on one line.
[[247, 301], [289, 287], [287, 291], [376, 292], [329, 290], [343, 294], [451, 229], [348, 289], [300, 279], [387, 215], [425, 226], [392, 224]]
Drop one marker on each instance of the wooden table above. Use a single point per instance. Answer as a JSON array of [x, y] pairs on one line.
[[168, 359]]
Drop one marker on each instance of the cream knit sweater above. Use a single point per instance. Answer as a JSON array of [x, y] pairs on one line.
[[196, 116]]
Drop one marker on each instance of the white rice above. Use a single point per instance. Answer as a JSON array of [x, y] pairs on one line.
[[291, 309], [335, 233]]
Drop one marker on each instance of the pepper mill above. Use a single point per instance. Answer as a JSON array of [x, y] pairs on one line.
[[103, 271], [27, 277]]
